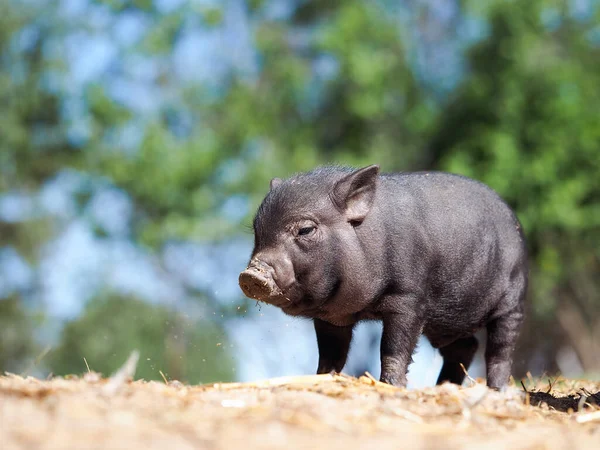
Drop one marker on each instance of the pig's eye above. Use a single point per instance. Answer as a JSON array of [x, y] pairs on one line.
[[305, 231]]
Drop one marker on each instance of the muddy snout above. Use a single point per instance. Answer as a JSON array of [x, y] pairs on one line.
[[257, 282]]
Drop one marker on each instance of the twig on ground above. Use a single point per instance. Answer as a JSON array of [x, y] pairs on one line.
[[582, 402], [589, 417]]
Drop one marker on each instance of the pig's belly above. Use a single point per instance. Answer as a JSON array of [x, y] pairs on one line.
[[439, 331], [443, 329]]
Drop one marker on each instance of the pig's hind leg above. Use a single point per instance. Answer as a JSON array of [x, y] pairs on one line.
[[503, 333], [461, 351]]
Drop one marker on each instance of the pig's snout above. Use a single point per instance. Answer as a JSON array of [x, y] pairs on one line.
[[257, 282]]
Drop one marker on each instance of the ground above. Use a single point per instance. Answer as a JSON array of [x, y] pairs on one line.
[[320, 411]]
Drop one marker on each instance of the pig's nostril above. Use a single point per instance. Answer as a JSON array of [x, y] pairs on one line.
[[250, 285]]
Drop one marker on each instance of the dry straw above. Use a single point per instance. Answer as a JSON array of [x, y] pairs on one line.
[[313, 411]]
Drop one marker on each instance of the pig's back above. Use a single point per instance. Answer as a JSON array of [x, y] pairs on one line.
[[450, 205]]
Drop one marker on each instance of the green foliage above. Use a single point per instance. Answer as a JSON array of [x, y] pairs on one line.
[[106, 112], [337, 91], [17, 344], [33, 143], [112, 326]]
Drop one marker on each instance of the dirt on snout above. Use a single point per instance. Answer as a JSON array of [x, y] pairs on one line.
[[321, 411]]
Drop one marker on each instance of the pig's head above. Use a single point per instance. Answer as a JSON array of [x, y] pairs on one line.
[[306, 239]]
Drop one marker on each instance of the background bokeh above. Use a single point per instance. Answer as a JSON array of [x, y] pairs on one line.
[[138, 137]]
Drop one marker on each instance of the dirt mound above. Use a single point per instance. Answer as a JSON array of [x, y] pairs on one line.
[[324, 411]]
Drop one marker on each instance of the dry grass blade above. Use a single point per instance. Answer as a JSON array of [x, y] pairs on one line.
[[527, 396], [471, 379], [163, 376], [37, 360], [123, 375], [369, 379]]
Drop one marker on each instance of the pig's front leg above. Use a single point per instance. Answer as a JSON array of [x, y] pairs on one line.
[[334, 343], [401, 331]]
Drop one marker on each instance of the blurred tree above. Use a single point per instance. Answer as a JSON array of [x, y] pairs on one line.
[[336, 90], [17, 343], [33, 148], [319, 82], [112, 326], [525, 121], [335, 87], [52, 126], [33, 143]]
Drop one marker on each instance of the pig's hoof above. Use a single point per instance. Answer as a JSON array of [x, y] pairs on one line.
[[394, 381]]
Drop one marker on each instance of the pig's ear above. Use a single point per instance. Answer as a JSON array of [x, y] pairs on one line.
[[354, 193], [275, 182]]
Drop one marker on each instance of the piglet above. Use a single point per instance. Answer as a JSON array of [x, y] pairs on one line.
[[425, 253]]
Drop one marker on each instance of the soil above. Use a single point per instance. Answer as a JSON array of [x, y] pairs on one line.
[[320, 411]]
